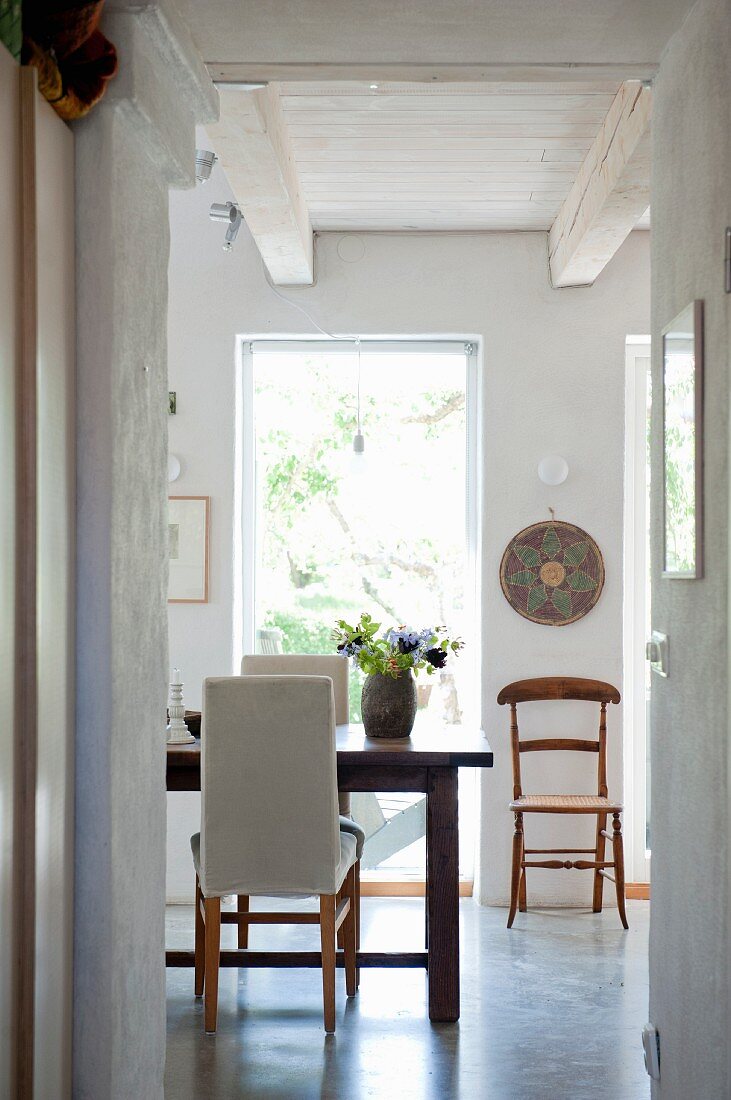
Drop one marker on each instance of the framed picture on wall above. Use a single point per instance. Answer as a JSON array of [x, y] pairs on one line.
[[682, 355], [188, 525]]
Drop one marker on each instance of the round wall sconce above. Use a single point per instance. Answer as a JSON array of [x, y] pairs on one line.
[[553, 470], [173, 468]]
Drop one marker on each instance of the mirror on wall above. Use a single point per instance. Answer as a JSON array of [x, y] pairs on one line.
[[683, 444]]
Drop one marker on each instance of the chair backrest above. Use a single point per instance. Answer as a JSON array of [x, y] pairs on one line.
[[544, 688], [269, 812], [305, 664]]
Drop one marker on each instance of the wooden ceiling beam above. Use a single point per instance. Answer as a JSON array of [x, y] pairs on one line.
[[224, 72], [255, 150], [609, 195]]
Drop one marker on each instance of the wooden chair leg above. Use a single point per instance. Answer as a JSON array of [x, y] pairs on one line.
[[327, 947], [242, 906], [522, 893], [340, 932], [618, 849], [356, 891], [213, 951], [349, 936], [516, 870], [601, 823], [200, 941]]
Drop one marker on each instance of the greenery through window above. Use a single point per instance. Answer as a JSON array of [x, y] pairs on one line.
[[386, 533]]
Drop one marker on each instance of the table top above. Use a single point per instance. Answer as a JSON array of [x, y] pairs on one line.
[[430, 745]]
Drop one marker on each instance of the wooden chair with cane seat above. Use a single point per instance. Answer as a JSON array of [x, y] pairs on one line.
[[549, 688]]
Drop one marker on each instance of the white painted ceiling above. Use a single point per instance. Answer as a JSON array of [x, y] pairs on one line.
[[433, 31], [459, 115], [448, 156]]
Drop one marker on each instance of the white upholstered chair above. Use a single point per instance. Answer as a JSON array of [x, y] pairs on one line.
[[305, 664], [312, 664], [269, 820]]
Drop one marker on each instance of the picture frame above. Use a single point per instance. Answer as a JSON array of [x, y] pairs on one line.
[[682, 436], [188, 534]]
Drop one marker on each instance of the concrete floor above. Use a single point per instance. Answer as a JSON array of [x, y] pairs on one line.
[[551, 1010]]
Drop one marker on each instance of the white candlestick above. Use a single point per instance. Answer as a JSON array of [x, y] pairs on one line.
[[178, 732]]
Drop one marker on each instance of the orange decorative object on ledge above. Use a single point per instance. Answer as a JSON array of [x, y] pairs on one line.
[[74, 60]]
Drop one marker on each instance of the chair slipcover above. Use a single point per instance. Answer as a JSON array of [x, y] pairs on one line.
[[270, 741], [309, 664], [305, 664]]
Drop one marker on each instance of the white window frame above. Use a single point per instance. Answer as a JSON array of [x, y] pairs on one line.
[[636, 595], [245, 549]]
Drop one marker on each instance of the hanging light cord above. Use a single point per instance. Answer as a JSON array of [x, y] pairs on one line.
[[357, 344], [310, 318], [358, 440]]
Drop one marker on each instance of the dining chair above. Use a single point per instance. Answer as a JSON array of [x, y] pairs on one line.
[[312, 664], [269, 821], [551, 688]]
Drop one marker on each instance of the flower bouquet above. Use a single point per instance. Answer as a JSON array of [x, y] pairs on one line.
[[390, 661]]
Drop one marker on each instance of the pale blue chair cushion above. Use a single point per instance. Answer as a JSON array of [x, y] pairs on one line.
[[347, 825]]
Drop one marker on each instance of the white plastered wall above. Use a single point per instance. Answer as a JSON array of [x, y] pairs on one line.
[[552, 369]]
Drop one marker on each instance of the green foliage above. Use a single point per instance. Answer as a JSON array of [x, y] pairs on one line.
[[291, 484], [388, 655], [680, 503], [301, 634], [329, 540]]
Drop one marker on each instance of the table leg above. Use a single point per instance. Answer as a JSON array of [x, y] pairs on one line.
[[442, 843]]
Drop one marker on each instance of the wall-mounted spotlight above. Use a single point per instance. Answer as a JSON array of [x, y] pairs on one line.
[[204, 161], [227, 212]]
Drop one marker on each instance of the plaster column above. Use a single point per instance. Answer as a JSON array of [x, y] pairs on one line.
[[132, 148]]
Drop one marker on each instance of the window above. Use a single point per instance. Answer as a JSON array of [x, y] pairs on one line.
[[328, 533]]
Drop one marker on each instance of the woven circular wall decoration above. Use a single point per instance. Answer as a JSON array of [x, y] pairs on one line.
[[552, 573]]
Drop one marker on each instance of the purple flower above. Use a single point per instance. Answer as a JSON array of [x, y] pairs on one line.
[[436, 657], [349, 649]]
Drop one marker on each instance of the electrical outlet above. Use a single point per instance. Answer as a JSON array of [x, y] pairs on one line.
[[651, 1045]]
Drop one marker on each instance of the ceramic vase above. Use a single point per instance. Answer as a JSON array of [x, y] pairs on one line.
[[389, 704]]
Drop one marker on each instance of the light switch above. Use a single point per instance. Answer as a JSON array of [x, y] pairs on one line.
[[651, 1046], [656, 652]]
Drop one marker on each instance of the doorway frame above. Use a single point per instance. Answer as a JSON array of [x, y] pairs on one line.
[[636, 597]]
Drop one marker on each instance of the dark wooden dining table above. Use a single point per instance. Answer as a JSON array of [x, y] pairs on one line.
[[425, 762]]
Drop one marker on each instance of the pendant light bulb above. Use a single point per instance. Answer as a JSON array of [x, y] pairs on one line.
[[358, 459], [358, 438]]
